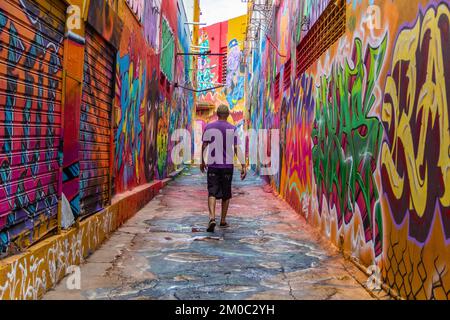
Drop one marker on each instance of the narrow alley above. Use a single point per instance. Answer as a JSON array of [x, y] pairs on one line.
[[269, 252], [122, 120]]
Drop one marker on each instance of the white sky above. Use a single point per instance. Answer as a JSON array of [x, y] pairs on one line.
[[214, 11]]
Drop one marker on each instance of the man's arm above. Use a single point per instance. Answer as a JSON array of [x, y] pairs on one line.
[[203, 164], [243, 164]]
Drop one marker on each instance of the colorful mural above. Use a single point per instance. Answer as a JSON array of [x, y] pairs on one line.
[[347, 141], [131, 93], [149, 110], [205, 76], [31, 122], [415, 159], [364, 133], [235, 75], [228, 71], [151, 23], [162, 138], [182, 100], [295, 178], [96, 136], [364, 130], [416, 174], [151, 123]]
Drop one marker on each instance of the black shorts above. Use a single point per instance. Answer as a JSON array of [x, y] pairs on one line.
[[219, 183]]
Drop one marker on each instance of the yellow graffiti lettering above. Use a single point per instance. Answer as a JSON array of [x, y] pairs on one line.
[[423, 107]]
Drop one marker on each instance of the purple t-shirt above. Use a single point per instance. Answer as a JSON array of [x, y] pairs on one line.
[[219, 129]]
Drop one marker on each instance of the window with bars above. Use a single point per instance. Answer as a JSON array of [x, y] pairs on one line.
[[277, 87], [168, 87], [164, 83], [326, 30], [162, 79], [287, 75], [224, 65]]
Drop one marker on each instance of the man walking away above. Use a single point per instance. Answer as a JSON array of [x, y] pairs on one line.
[[221, 137]]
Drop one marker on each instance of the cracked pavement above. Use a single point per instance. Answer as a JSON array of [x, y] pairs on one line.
[[164, 252]]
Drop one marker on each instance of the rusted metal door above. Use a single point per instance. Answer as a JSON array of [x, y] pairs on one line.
[[95, 125], [31, 49]]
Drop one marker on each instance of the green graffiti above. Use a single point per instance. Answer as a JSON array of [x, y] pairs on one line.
[[162, 139], [347, 140], [167, 51], [205, 78]]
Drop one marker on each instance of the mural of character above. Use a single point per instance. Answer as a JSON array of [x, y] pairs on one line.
[[235, 75]]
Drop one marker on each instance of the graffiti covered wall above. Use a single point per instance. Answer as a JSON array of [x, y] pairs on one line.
[[80, 105], [365, 133], [182, 100], [133, 72], [148, 110], [30, 121]]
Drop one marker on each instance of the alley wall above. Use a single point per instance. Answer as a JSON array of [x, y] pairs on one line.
[[87, 104], [360, 92]]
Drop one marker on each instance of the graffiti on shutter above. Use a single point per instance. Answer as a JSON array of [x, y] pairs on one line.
[[31, 48], [95, 124]]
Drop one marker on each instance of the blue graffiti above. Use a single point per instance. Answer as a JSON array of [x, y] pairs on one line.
[[235, 78], [237, 93], [130, 130]]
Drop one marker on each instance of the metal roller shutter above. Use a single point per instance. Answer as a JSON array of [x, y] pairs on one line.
[[95, 126], [31, 48]]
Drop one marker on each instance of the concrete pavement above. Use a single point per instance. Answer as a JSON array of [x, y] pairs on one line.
[[164, 252]]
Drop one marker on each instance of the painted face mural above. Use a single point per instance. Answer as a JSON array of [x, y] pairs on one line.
[[151, 123], [235, 76]]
